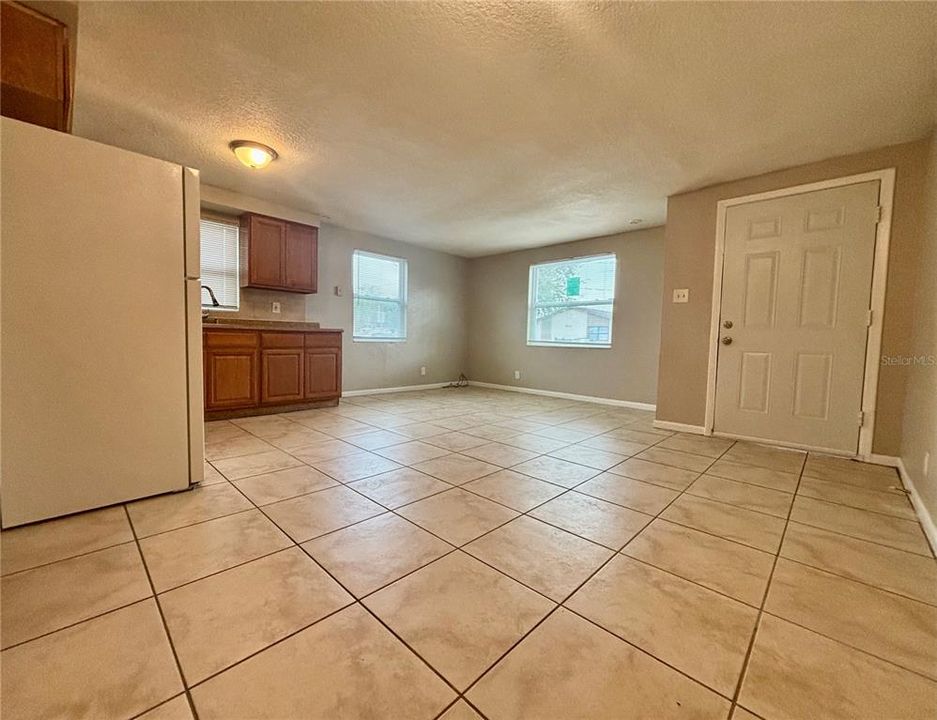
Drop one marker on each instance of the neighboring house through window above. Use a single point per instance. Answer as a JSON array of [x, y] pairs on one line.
[[380, 289], [219, 245], [571, 302]]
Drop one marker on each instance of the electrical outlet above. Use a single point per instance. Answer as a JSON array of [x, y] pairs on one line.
[[681, 295], [276, 308], [517, 374], [423, 370]]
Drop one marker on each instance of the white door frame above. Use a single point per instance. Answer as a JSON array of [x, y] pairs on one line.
[[886, 178]]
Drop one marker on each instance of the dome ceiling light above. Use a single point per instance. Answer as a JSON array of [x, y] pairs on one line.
[[254, 155]]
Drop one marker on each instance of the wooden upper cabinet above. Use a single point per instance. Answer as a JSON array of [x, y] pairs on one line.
[[34, 67], [265, 243], [302, 258], [278, 254]]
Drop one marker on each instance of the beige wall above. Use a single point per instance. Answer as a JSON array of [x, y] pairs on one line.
[[690, 248], [436, 319], [497, 339], [436, 311], [920, 417]]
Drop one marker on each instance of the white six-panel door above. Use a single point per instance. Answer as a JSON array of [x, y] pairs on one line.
[[796, 289]]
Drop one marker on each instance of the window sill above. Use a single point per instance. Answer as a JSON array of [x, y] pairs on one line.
[[583, 346], [378, 340]]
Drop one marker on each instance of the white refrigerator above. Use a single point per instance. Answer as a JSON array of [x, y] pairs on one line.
[[100, 325]]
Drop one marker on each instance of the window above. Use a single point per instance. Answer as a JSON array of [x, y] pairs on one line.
[[219, 242], [380, 286], [571, 302], [598, 333]]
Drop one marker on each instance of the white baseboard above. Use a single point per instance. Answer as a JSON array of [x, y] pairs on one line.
[[679, 427], [567, 396], [927, 522], [403, 388], [887, 460]]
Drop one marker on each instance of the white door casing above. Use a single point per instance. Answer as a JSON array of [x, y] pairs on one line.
[[797, 287]]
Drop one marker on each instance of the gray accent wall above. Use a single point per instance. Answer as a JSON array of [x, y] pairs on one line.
[[497, 322]]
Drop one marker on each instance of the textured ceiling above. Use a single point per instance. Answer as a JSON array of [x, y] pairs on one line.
[[483, 127]]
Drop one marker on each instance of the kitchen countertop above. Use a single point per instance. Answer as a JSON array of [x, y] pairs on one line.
[[273, 325]]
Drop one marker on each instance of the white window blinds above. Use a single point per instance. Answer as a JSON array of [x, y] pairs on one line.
[[380, 287], [219, 242]]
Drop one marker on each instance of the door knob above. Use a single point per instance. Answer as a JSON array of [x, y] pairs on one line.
[[726, 340], [727, 324]]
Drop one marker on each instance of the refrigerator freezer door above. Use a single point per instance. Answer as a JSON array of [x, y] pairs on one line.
[[95, 396]]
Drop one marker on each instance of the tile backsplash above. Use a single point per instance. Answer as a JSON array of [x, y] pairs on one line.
[[258, 305]]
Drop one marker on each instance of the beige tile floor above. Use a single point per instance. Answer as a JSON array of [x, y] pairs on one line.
[[468, 553]]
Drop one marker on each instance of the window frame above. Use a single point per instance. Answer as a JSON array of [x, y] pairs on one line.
[[532, 305], [203, 295], [404, 277]]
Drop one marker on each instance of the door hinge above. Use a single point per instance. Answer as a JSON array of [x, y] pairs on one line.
[[861, 418], [869, 317], [880, 211]]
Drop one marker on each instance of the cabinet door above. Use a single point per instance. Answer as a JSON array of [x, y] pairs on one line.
[[281, 376], [34, 67], [266, 241], [301, 258], [231, 379], [323, 373]]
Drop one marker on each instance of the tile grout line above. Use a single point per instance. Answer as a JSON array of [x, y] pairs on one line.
[[460, 695], [355, 601], [562, 604], [764, 598], [162, 618], [565, 491]]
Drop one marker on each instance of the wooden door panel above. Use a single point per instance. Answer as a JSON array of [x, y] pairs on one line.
[[232, 379], [266, 239], [323, 374], [301, 258], [281, 377]]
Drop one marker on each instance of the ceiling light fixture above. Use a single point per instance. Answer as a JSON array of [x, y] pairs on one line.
[[253, 154]]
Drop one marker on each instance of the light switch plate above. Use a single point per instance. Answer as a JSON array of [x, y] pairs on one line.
[[681, 295], [276, 308], [338, 291]]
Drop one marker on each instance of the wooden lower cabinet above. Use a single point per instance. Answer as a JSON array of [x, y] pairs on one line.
[[256, 369], [323, 373], [231, 379], [281, 376]]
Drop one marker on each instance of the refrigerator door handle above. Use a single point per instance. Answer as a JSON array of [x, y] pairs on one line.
[[193, 302]]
